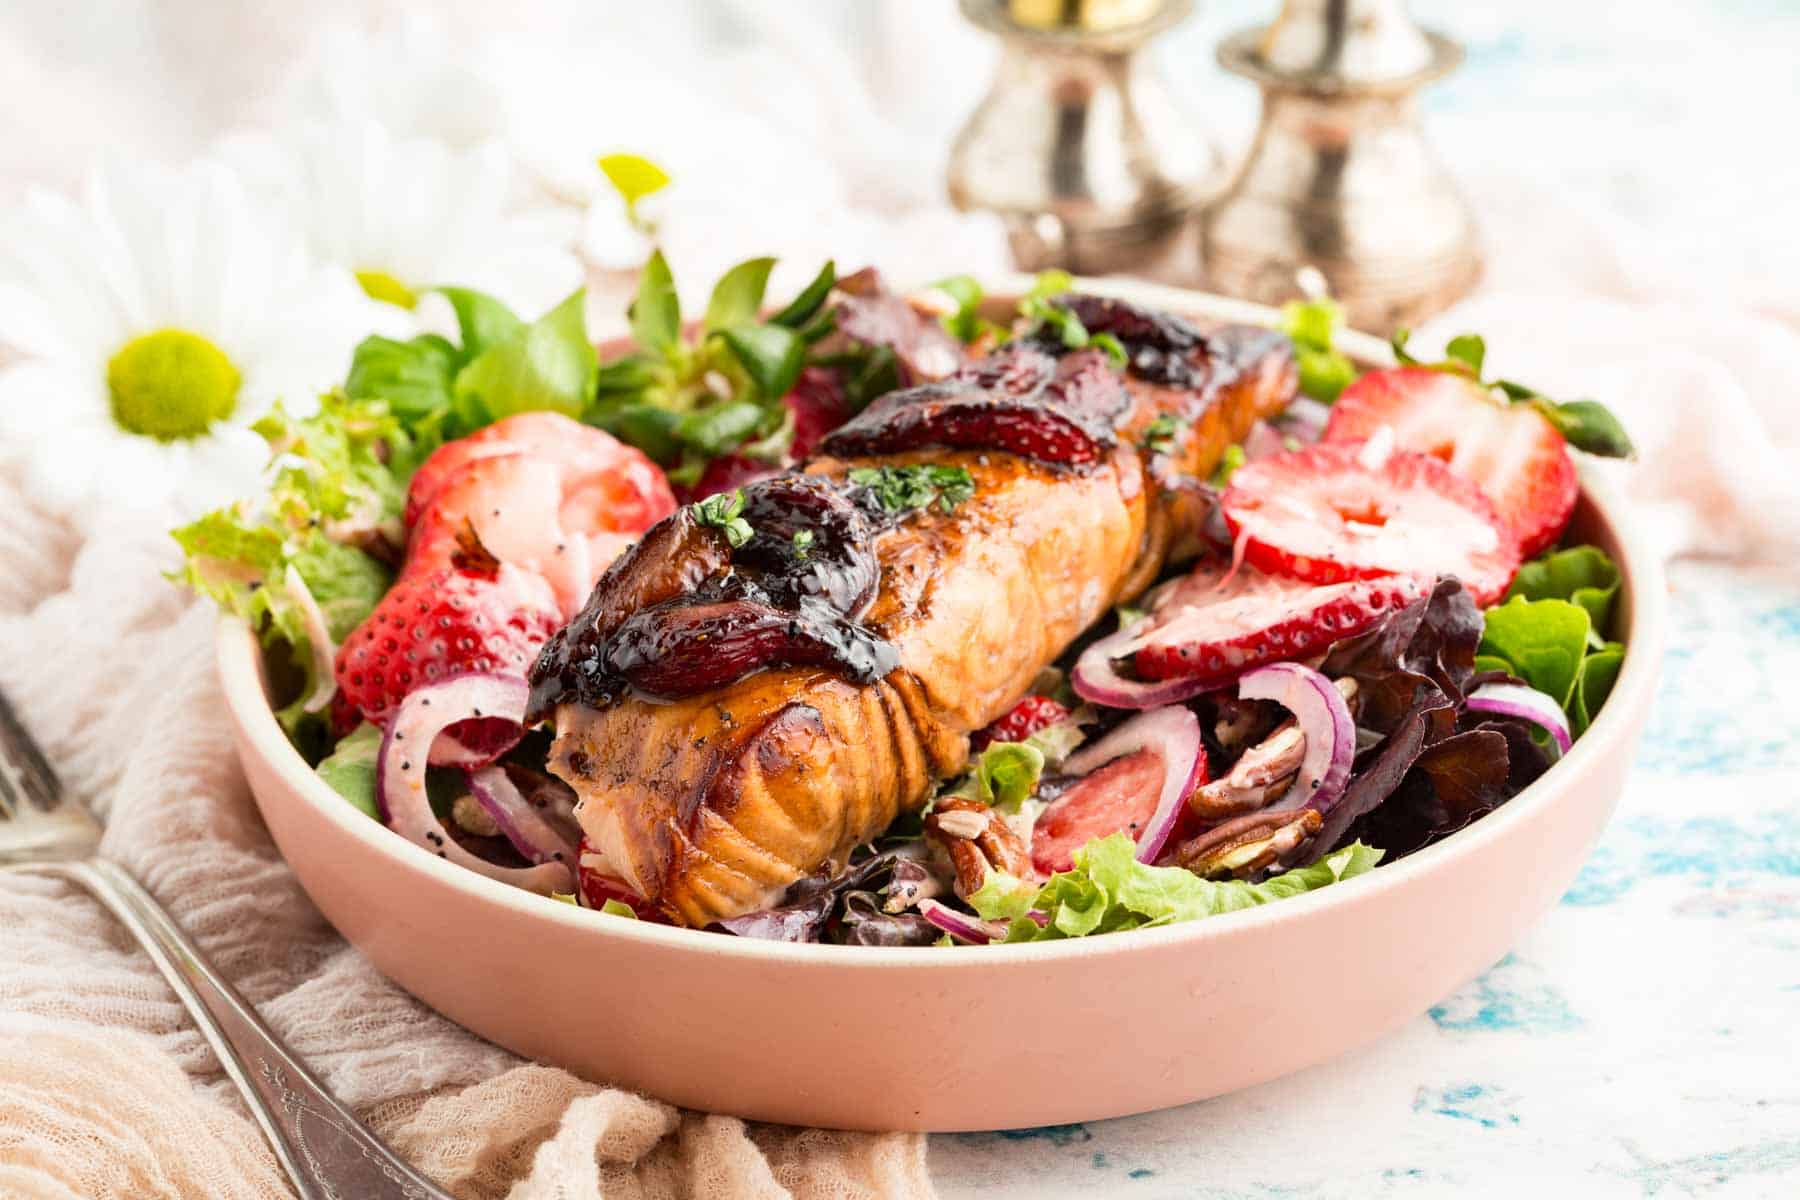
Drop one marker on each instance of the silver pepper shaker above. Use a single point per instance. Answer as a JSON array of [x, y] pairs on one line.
[[1078, 143], [1339, 180]]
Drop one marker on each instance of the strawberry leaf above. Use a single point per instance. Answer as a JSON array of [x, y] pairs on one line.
[[1587, 425], [1468, 349]]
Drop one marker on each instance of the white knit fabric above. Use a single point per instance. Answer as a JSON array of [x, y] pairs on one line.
[[107, 1091]]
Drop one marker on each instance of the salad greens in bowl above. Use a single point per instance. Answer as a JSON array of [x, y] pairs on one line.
[[726, 691]]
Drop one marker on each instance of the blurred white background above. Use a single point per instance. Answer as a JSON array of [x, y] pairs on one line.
[[1662, 122], [1629, 161]]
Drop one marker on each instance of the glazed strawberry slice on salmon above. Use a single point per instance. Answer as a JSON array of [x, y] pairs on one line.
[[709, 803]]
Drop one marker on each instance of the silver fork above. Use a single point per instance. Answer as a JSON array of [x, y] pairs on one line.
[[326, 1151]]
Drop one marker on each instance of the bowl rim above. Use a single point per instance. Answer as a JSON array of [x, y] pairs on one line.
[[240, 671]]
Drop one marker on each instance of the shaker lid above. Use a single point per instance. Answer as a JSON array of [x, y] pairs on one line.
[[1341, 45]]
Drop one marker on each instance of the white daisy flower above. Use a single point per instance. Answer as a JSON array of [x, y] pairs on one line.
[[743, 183], [145, 327], [406, 214]]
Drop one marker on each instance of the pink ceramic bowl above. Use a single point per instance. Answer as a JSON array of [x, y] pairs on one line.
[[975, 1038]]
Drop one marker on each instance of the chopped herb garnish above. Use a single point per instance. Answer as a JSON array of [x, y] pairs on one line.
[[1036, 307], [903, 489], [1160, 434], [724, 512], [1229, 462], [1115, 349], [966, 324], [803, 540]]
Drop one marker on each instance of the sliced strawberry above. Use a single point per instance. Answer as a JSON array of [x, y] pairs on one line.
[[1119, 797], [818, 404], [1020, 722], [564, 517], [1512, 453], [635, 492], [435, 625], [1362, 510], [1215, 624]]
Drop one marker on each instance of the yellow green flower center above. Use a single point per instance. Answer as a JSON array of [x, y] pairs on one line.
[[379, 285], [171, 384]]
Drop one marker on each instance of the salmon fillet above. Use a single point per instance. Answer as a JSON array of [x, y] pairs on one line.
[[710, 805]]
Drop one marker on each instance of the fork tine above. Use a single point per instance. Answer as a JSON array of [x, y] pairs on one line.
[[26, 777]]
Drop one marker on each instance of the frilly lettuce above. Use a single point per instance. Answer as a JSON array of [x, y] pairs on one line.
[[1004, 776], [305, 562], [1109, 890]]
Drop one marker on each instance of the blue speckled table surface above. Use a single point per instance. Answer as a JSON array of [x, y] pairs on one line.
[[1642, 1040]]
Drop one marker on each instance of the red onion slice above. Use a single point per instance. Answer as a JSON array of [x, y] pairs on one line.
[[960, 925], [1172, 732], [523, 824], [400, 771], [1527, 704], [450, 750], [1096, 678], [1324, 718]]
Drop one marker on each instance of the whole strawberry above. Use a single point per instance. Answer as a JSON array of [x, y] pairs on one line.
[[437, 624]]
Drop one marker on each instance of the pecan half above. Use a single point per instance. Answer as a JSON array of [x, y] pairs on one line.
[[1245, 845], [1260, 774], [978, 841]]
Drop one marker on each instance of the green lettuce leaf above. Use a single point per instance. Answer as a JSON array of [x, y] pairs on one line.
[[1004, 776], [1542, 640], [546, 365], [1109, 890], [482, 320], [1583, 575], [737, 297], [1593, 684], [655, 311], [414, 378], [350, 768]]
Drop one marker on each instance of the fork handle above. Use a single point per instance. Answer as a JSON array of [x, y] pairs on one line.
[[326, 1151]]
